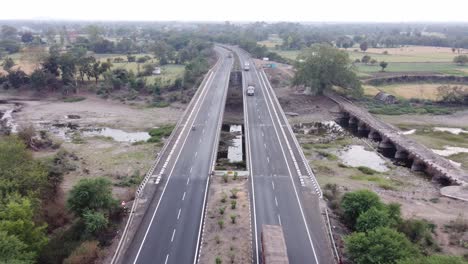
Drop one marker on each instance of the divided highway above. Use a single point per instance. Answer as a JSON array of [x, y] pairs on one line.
[[283, 188], [171, 228]]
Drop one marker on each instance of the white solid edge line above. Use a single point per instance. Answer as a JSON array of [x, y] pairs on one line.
[[289, 169], [301, 152], [197, 105]]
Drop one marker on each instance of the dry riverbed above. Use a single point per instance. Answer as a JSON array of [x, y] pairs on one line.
[[107, 137]]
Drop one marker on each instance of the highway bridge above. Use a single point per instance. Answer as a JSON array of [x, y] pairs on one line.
[[169, 211]]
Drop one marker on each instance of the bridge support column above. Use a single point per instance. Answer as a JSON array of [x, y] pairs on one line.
[[387, 148], [374, 135], [362, 129], [343, 119], [418, 165]]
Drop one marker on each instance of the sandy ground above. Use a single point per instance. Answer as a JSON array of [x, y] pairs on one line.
[[457, 119], [232, 243], [96, 111], [418, 196], [99, 156]]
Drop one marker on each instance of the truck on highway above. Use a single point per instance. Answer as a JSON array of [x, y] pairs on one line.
[[251, 90], [246, 66], [273, 245]]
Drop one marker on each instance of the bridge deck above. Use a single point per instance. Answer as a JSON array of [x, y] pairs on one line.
[[442, 166]]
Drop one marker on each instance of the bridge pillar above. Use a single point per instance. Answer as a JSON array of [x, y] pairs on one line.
[[343, 119], [374, 135], [418, 165], [353, 121], [362, 129], [387, 148], [401, 154]]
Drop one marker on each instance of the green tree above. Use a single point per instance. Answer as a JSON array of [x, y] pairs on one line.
[[8, 63], [27, 37], [461, 59], [95, 221], [383, 65], [380, 246], [365, 59], [364, 46], [322, 66], [19, 173], [371, 219], [14, 251], [419, 232], [17, 219], [434, 259], [91, 194], [148, 69], [39, 79], [357, 202]]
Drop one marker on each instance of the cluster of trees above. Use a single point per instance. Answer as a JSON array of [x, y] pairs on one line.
[[452, 94], [381, 235], [30, 214], [461, 59], [321, 67], [25, 186], [69, 66]]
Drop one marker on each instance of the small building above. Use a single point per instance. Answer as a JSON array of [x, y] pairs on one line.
[[157, 71], [266, 59], [386, 98]]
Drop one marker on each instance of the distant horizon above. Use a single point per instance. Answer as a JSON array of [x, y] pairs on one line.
[[239, 11], [233, 21]]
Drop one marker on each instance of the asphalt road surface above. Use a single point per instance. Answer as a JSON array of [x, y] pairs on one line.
[[280, 195], [171, 228]]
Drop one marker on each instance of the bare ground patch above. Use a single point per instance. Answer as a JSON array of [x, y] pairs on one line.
[[224, 238]]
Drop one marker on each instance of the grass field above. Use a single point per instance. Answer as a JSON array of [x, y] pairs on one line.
[[407, 54], [417, 67], [169, 72], [407, 90], [272, 41]]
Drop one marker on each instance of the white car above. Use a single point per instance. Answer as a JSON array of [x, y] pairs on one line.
[[250, 90]]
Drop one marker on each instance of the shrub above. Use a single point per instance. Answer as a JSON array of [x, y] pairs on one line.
[[355, 203], [221, 224], [225, 178], [233, 218], [218, 260], [419, 232], [372, 219], [367, 170], [91, 194], [434, 259], [379, 246], [224, 198], [234, 192], [95, 222], [221, 210], [233, 204], [86, 253]]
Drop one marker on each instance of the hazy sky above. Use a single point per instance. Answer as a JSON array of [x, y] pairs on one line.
[[239, 10]]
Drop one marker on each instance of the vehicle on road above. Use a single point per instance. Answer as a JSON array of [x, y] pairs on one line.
[[251, 90], [273, 245], [246, 66]]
